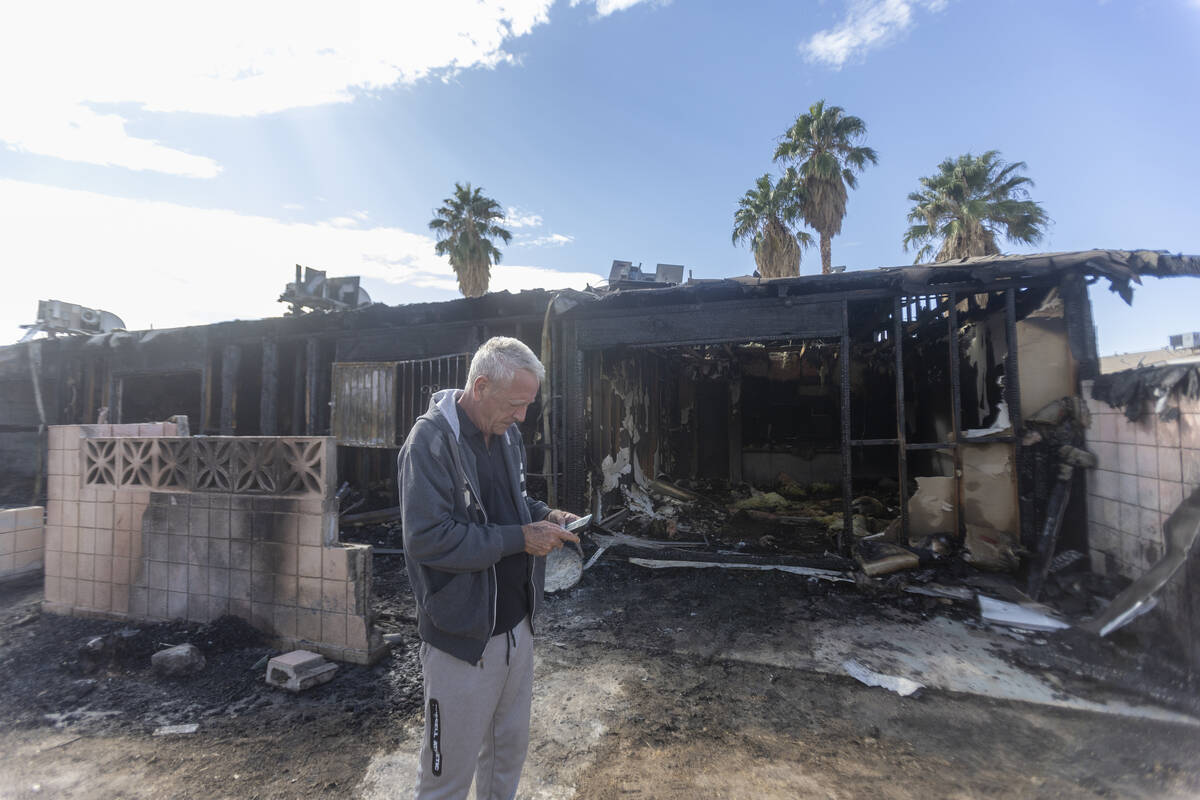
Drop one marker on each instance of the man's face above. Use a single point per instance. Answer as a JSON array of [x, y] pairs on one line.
[[500, 405]]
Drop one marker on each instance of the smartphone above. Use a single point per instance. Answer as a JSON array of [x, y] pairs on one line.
[[582, 522]]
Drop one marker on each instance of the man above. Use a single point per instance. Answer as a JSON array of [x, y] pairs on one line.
[[474, 543]]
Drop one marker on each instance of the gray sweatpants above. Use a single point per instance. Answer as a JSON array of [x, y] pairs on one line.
[[477, 719]]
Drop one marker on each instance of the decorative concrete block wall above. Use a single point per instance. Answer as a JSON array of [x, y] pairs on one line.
[[1145, 470], [21, 541], [147, 525]]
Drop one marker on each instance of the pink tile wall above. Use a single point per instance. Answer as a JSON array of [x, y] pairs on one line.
[[22, 541], [163, 555], [1145, 470]]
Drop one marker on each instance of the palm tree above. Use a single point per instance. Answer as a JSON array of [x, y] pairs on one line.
[[767, 216], [466, 226], [968, 203], [822, 147]]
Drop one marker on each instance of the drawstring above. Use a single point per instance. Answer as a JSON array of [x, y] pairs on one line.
[[510, 641]]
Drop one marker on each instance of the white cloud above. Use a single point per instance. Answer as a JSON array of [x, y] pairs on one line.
[[550, 240], [161, 264], [869, 24], [517, 218], [76, 72], [606, 7]]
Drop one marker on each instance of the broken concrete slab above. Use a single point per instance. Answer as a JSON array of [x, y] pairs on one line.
[[299, 670], [183, 659]]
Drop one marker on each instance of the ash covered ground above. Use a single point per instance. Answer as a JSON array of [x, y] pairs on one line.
[[635, 669]]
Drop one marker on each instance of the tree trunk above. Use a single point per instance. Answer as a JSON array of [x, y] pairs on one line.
[[826, 253]]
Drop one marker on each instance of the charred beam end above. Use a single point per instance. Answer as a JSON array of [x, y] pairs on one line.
[[268, 418], [231, 359]]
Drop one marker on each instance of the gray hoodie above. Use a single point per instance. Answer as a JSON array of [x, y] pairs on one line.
[[450, 548]]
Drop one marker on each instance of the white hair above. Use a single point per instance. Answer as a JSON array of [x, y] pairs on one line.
[[499, 358]]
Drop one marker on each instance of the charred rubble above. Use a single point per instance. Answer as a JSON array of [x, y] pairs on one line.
[[909, 426]]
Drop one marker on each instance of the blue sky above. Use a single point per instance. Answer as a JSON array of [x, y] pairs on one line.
[[172, 165]]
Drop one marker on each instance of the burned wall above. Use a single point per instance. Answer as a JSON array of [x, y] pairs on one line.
[[145, 525], [1146, 467]]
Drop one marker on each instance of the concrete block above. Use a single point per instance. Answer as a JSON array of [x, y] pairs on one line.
[[299, 670], [334, 567], [1170, 495], [1147, 461], [309, 594], [1148, 493], [1189, 430], [1167, 433], [1191, 469], [30, 517], [1128, 488], [1170, 465]]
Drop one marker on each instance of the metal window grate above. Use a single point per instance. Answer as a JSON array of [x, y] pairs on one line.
[[420, 380], [376, 403]]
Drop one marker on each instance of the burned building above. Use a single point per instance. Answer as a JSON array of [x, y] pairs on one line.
[[816, 417]]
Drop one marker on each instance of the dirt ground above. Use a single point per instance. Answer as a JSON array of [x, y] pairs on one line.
[[637, 696]]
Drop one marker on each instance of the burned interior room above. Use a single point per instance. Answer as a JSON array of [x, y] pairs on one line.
[[737, 394]]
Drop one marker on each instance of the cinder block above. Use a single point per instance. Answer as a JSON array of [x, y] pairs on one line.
[[1146, 430], [333, 596], [334, 563], [1129, 519], [177, 605], [8, 543], [333, 629], [1170, 495], [177, 577], [30, 540], [7, 563], [30, 517], [1128, 487], [1104, 483], [105, 515], [120, 571], [285, 590], [157, 576], [299, 670], [309, 530], [308, 624], [1170, 465], [308, 594], [120, 598], [1147, 461], [1148, 493], [285, 621], [1191, 469], [1167, 434], [103, 569]]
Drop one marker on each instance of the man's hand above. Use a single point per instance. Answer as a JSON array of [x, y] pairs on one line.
[[560, 517], [544, 536]]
